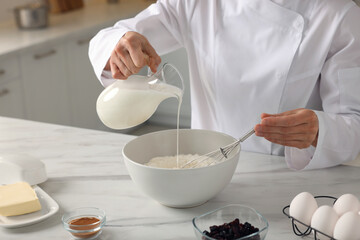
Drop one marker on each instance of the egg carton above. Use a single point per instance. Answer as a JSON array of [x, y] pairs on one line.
[[309, 229]]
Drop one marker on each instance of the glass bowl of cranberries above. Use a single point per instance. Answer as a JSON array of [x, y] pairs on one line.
[[232, 222]]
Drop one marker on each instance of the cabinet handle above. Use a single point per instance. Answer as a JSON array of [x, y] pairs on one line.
[[2, 72], [44, 55], [4, 92], [83, 41]]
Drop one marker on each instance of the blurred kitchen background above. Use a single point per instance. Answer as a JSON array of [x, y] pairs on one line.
[[45, 73]]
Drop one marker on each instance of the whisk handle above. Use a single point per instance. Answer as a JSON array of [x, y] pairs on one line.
[[247, 135]]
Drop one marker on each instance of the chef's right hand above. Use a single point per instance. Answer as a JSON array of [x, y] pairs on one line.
[[131, 53]]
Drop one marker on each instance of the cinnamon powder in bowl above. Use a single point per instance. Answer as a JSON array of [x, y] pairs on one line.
[[84, 223]]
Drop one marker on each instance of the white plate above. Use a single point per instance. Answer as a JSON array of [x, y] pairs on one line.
[[48, 208]]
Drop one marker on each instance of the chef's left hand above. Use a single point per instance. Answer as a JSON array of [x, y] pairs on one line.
[[296, 128]]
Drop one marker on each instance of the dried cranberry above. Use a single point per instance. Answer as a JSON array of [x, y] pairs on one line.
[[232, 230]]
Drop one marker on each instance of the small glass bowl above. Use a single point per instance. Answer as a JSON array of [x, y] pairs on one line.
[[228, 214], [88, 231]]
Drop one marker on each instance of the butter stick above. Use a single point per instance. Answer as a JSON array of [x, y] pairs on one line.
[[17, 199]]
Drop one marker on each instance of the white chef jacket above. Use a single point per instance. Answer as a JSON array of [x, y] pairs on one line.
[[247, 57]]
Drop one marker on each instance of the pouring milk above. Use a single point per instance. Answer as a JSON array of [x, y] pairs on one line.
[[128, 103]]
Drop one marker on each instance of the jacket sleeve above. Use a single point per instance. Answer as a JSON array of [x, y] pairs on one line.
[[339, 122], [161, 23]]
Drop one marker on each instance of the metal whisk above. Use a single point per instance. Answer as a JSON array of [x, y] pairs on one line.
[[218, 155]]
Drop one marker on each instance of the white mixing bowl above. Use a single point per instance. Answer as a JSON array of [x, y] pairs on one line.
[[180, 188]]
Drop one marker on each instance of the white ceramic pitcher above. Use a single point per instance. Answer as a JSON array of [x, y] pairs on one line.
[[128, 103]]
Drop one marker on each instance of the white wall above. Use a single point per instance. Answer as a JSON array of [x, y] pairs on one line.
[[7, 6]]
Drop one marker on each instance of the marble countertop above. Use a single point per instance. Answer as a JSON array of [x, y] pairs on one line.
[[86, 168], [94, 16]]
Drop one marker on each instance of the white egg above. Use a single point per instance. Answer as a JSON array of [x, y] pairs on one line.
[[346, 203], [324, 220], [348, 227], [302, 207]]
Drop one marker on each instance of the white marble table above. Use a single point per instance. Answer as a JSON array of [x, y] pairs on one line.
[[85, 168]]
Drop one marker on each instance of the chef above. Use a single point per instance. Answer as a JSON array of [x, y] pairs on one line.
[[288, 68]]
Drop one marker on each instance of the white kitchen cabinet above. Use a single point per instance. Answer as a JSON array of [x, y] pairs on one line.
[[11, 100], [9, 68], [84, 87], [45, 82]]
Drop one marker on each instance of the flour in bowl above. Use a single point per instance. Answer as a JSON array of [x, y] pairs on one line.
[[179, 160]]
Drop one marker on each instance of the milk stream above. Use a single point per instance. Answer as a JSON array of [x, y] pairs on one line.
[[177, 93], [126, 104]]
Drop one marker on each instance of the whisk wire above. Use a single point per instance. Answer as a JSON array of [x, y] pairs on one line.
[[218, 155]]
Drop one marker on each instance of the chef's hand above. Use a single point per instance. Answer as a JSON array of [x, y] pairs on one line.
[[296, 128], [131, 53]]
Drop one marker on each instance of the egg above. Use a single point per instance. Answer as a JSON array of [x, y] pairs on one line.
[[302, 207], [346, 203], [324, 220], [348, 227]]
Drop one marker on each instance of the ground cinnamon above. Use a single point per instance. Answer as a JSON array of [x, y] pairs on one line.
[[85, 223]]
